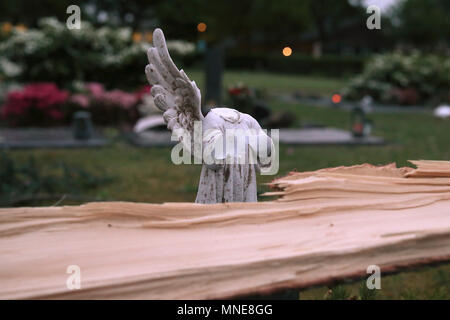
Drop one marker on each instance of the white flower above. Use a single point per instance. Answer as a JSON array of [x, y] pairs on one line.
[[180, 47], [10, 69], [52, 23], [123, 34]]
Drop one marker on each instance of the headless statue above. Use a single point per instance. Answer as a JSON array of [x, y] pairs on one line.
[[235, 146]]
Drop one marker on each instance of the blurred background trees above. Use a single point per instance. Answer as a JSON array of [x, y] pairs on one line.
[[422, 24], [417, 22], [310, 37]]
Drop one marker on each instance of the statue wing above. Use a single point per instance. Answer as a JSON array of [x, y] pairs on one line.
[[173, 92]]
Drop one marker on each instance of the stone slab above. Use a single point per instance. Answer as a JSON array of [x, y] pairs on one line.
[[20, 138], [309, 136], [325, 136]]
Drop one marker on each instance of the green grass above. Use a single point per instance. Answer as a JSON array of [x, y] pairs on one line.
[[424, 283], [276, 82], [147, 174]]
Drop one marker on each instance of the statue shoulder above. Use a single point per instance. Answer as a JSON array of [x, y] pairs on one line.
[[251, 122], [226, 114]]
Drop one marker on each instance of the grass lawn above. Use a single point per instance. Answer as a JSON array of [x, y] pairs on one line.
[[275, 82], [148, 175]]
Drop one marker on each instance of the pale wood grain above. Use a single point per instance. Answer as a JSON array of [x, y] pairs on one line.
[[327, 225]]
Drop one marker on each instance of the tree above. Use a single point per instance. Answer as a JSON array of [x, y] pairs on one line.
[[424, 23], [29, 12], [231, 21], [132, 13], [327, 15]]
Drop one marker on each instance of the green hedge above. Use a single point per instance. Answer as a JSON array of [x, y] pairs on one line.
[[328, 65], [403, 78]]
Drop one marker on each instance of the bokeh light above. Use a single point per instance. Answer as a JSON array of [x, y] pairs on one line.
[[201, 27], [137, 37], [7, 27], [149, 37], [287, 51], [336, 98]]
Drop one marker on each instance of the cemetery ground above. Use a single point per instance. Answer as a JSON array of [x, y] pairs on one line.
[[276, 82], [148, 175]]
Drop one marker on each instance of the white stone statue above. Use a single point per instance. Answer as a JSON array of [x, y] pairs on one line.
[[233, 146]]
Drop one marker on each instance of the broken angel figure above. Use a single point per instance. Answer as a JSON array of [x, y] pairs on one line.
[[233, 147]]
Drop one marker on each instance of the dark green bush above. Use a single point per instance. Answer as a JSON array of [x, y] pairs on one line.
[[328, 65]]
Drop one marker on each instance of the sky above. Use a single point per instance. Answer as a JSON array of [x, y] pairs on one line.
[[383, 4]]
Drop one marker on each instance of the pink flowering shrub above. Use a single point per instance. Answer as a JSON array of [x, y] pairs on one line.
[[107, 107], [142, 91], [43, 104], [116, 97], [38, 104], [80, 99]]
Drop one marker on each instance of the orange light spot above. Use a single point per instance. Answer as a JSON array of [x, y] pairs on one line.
[[7, 27], [149, 37], [287, 51], [137, 37], [201, 27], [336, 98], [21, 28]]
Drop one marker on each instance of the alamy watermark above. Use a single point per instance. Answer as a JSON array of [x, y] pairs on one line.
[[74, 20], [374, 20], [74, 280], [231, 146], [374, 280]]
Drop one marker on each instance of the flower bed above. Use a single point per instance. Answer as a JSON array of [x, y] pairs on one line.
[[53, 53], [36, 104], [44, 104]]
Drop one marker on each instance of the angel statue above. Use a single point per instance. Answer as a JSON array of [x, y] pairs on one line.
[[233, 146]]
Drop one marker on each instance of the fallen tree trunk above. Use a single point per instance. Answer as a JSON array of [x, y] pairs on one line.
[[327, 225]]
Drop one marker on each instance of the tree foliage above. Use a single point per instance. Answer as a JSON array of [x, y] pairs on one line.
[[423, 22]]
